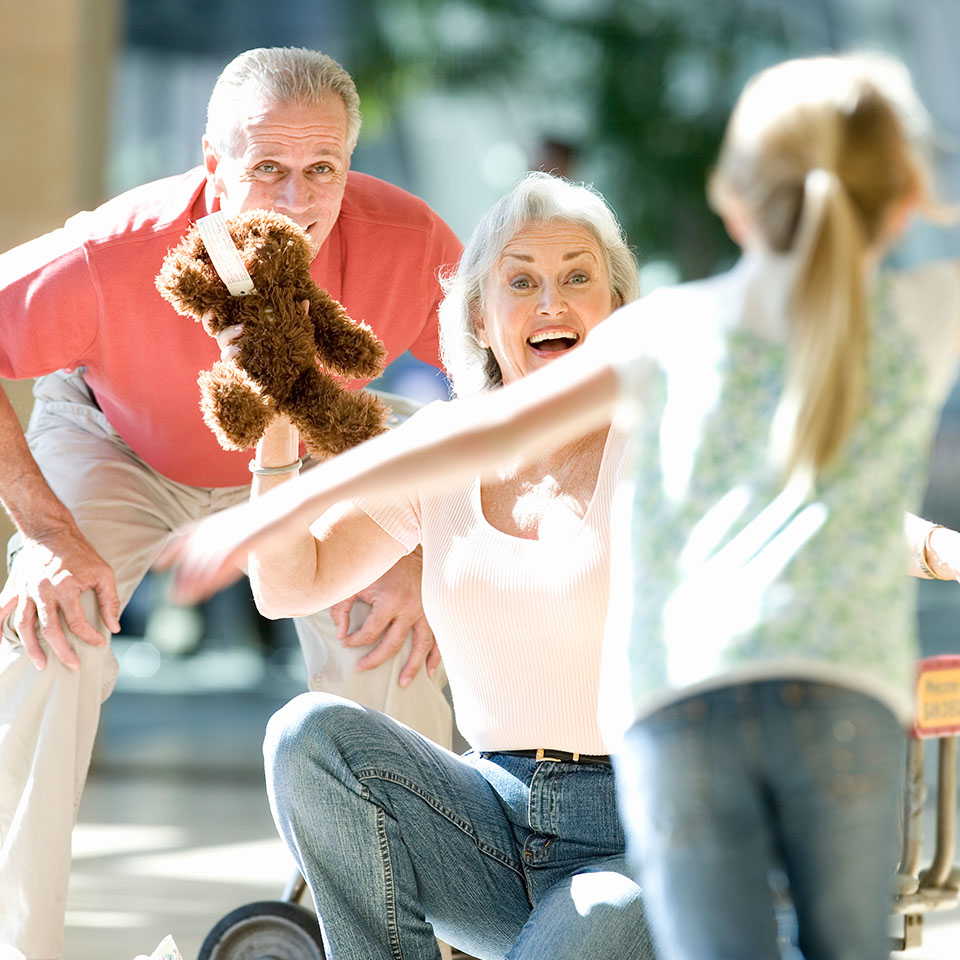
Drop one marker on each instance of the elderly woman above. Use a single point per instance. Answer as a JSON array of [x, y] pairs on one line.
[[514, 849]]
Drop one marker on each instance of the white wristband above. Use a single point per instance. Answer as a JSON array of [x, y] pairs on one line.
[[259, 471]]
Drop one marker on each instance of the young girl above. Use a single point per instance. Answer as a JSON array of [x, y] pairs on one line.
[[781, 436], [780, 416]]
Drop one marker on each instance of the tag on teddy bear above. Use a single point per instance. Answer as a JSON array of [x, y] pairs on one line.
[[223, 254], [166, 950]]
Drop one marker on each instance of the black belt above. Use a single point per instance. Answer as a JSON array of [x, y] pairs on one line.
[[559, 756]]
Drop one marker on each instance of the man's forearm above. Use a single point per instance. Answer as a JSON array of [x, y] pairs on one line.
[[25, 494]]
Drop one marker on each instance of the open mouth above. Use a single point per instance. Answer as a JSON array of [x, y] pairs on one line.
[[553, 341]]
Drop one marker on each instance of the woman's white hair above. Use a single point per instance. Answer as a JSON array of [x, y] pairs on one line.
[[277, 75], [537, 198]]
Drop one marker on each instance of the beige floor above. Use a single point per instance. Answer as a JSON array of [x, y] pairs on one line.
[[174, 829], [157, 856]]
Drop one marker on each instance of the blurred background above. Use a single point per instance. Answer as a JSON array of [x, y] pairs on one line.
[[459, 97]]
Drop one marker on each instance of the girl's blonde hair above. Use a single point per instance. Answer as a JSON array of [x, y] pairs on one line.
[[821, 152]]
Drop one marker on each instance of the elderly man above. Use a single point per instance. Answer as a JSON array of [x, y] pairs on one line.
[[116, 454]]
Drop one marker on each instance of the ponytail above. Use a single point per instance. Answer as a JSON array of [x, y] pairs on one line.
[[828, 331]]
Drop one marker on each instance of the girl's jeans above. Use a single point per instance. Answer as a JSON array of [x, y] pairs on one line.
[[724, 791], [401, 841]]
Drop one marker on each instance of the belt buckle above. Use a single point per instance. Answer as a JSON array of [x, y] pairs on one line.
[[542, 757]]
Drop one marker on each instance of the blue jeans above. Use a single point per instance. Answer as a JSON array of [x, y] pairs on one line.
[[724, 791], [401, 841]]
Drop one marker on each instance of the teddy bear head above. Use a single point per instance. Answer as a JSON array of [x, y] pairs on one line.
[[276, 252]]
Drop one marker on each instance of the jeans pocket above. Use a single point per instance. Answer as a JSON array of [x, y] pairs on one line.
[[844, 739]]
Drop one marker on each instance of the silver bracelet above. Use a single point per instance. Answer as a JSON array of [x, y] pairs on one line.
[[259, 471]]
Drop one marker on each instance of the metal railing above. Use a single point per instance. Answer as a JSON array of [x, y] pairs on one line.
[[936, 887]]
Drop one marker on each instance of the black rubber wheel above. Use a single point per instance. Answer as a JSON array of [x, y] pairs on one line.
[[265, 930]]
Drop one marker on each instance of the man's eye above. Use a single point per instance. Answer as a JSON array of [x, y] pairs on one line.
[[267, 167], [323, 169]]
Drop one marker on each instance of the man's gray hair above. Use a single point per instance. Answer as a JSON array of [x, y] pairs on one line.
[[537, 198], [277, 75]]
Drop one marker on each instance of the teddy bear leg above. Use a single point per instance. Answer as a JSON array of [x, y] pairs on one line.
[[330, 419], [233, 407]]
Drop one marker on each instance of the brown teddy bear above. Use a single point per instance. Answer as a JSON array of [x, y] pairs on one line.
[[281, 343]]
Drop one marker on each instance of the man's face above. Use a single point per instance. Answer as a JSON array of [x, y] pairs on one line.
[[290, 159]]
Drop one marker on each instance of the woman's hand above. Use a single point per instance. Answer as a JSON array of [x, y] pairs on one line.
[[934, 550], [941, 547]]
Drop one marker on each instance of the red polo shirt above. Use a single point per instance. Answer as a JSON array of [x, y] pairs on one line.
[[84, 295]]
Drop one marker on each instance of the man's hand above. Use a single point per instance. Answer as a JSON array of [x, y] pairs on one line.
[[47, 579], [396, 610], [228, 337]]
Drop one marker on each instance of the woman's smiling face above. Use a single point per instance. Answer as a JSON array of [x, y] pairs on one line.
[[548, 289]]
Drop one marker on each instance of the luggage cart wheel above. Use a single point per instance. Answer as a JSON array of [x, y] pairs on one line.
[[265, 930]]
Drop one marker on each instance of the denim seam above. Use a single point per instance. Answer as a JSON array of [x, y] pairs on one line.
[[389, 889], [459, 822]]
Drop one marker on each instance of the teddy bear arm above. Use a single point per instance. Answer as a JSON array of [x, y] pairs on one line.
[[191, 286], [343, 346]]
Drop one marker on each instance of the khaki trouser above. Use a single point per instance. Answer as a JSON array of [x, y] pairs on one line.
[[48, 718]]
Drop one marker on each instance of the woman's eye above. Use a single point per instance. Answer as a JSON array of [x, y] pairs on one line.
[[520, 283], [579, 278]]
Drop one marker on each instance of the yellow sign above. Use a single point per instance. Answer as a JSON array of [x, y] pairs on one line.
[[938, 701]]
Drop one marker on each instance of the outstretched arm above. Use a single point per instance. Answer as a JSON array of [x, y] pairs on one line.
[[566, 399]]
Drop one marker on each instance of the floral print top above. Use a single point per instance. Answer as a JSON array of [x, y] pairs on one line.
[[731, 577]]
